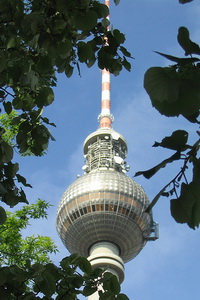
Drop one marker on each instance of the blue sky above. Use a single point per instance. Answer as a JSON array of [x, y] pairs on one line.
[[168, 268]]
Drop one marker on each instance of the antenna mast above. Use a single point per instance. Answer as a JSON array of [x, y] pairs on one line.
[[105, 118]]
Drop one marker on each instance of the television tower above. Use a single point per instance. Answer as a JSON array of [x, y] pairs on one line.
[[102, 214]]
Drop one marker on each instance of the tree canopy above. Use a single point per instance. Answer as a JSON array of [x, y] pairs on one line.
[[17, 249]]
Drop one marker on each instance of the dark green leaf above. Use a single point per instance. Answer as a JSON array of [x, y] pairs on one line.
[[84, 51], [89, 290], [46, 120], [3, 61], [184, 1], [173, 93], [186, 209], [114, 285], [64, 48], [102, 10], [84, 264], [87, 20], [183, 39], [13, 42], [46, 283], [44, 64], [120, 37], [125, 51], [6, 152], [45, 97], [178, 60], [105, 22], [69, 71], [8, 107], [23, 180], [2, 189], [162, 84], [3, 216], [177, 141], [126, 64], [185, 42]]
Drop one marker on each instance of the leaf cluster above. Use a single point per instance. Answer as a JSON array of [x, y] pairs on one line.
[[47, 281], [14, 247], [175, 91]]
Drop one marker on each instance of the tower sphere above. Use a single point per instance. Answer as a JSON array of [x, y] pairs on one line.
[[104, 204]]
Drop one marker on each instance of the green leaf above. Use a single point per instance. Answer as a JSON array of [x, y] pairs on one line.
[[87, 20], [46, 283], [185, 42], [6, 152], [126, 64], [125, 51], [13, 42], [186, 209], [44, 64], [184, 1], [102, 10], [69, 71], [45, 97], [89, 290], [177, 141], [120, 37], [84, 51], [3, 61], [114, 285], [162, 84], [3, 215], [8, 107], [23, 180], [173, 93], [2, 189], [64, 48], [184, 39], [85, 265], [11, 169], [178, 60]]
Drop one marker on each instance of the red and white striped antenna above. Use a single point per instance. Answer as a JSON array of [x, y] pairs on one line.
[[105, 118]]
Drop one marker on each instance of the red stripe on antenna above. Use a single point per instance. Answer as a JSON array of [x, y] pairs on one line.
[[105, 117]]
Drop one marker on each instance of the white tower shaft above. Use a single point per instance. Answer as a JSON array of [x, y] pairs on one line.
[[104, 254]]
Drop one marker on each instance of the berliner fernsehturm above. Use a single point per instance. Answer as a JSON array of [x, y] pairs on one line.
[[102, 214]]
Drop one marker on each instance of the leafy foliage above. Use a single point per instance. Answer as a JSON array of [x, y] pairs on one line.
[[14, 248], [40, 38], [175, 91], [47, 281]]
